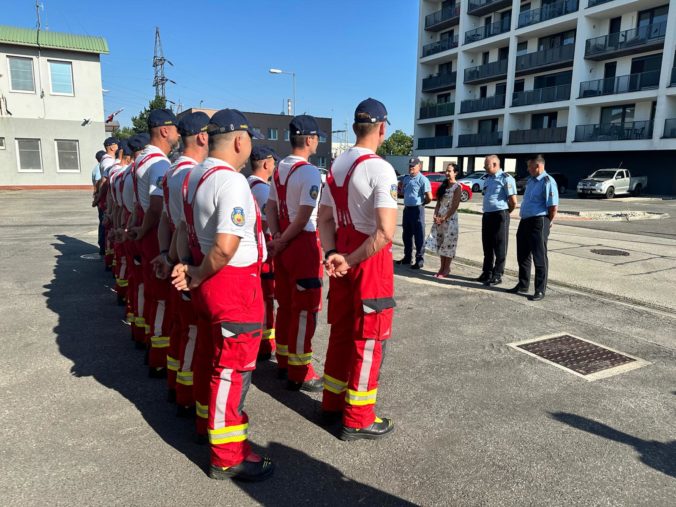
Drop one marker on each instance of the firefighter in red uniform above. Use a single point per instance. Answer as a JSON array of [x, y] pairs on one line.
[[292, 217], [357, 219], [100, 196], [228, 248], [183, 330], [150, 167], [263, 162]]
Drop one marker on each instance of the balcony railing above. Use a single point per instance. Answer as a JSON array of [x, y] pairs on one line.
[[481, 139], [486, 72], [552, 58], [439, 82], [631, 41], [673, 77], [547, 12], [437, 110], [626, 131], [444, 18], [486, 31], [670, 128], [482, 104], [541, 95], [439, 46], [481, 7], [620, 84], [535, 136], [433, 143], [594, 3]]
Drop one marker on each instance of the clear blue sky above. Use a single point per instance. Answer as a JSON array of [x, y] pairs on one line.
[[341, 51]]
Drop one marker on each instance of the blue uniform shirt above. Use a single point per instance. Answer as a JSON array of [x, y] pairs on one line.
[[497, 189], [541, 193], [415, 189], [96, 173]]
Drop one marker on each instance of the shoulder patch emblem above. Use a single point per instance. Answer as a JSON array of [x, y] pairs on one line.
[[394, 191], [314, 191], [237, 217], [158, 183]]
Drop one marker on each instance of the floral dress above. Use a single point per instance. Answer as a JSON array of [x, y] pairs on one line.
[[443, 238]]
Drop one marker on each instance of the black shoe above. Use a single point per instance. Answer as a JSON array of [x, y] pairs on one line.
[[185, 412], [538, 296], [314, 385], [139, 345], [418, 265], [282, 373], [121, 301], [379, 429], [264, 357], [496, 280], [109, 268], [171, 395], [157, 372], [517, 290], [484, 277], [248, 471], [330, 417], [201, 439], [404, 261]]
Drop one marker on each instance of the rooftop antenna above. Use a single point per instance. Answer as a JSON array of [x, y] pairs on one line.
[[160, 80]]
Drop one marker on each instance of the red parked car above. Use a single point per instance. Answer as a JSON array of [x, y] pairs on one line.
[[436, 179]]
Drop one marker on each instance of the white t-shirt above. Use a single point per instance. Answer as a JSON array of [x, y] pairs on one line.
[[261, 192], [175, 184], [303, 189], [149, 175], [373, 185], [107, 161], [224, 204], [113, 173], [128, 197]]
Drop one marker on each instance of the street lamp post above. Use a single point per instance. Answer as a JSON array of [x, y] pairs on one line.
[[293, 79]]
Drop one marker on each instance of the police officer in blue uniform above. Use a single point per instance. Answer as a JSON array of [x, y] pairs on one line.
[[499, 201], [417, 193], [538, 210]]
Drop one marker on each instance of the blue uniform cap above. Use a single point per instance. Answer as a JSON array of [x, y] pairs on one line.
[[193, 123], [138, 142], [161, 118], [124, 146], [370, 111], [110, 141], [99, 155], [305, 125], [414, 161], [263, 152], [231, 120]]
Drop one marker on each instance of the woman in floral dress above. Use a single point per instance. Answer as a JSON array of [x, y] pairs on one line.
[[443, 238]]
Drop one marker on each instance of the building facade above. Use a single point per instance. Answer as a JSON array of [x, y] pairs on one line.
[[587, 83], [51, 107], [275, 128]]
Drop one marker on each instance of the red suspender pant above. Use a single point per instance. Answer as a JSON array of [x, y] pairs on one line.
[[187, 334], [361, 306], [298, 289], [140, 326], [173, 322], [268, 344]]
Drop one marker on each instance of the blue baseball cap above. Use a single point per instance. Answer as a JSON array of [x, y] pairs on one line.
[[99, 155], [370, 111], [138, 142], [414, 161], [124, 146], [161, 118], [110, 141], [263, 152], [193, 123], [305, 125], [231, 120]]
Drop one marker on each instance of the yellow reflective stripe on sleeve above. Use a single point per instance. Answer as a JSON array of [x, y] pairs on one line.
[[201, 410], [334, 385], [358, 398], [229, 434], [184, 378], [269, 334], [159, 342], [282, 350], [173, 364], [300, 359]]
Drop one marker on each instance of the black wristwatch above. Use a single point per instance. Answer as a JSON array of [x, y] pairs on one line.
[[330, 253]]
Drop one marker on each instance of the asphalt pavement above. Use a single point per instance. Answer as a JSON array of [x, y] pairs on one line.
[[478, 423]]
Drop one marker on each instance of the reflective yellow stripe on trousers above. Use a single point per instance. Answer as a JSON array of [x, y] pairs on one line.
[[229, 434], [172, 364], [361, 398], [201, 410], [334, 385]]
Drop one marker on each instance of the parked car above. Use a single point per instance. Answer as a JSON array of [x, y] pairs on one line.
[[475, 180], [561, 182], [436, 179], [611, 182]]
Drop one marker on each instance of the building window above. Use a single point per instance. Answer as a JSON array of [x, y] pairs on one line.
[[29, 154], [61, 77], [321, 162], [287, 135], [67, 156], [272, 134], [322, 139], [2, 143], [21, 74]]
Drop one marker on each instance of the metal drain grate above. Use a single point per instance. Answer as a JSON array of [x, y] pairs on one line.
[[578, 356], [609, 251]]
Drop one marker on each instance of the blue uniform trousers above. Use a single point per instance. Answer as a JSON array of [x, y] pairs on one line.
[[414, 229]]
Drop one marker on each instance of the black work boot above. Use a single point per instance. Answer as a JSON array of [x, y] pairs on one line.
[[379, 429]]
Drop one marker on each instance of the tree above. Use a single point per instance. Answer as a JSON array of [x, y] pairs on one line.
[[124, 133], [399, 143], [140, 122]]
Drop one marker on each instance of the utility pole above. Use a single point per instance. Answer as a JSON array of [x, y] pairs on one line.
[[159, 60]]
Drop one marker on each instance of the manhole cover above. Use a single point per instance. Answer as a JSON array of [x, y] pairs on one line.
[[91, 257], [609, 251], [578, 356]]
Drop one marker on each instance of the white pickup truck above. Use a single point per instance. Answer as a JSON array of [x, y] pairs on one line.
[[611, 182]]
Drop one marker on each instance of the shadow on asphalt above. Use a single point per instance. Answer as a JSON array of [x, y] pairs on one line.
[[90, 332], [453, 279], [658, 455]]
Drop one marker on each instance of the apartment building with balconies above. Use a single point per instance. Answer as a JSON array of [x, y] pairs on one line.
[[587, 83]]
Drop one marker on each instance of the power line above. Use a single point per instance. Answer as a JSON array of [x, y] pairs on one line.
[[160, 80]]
